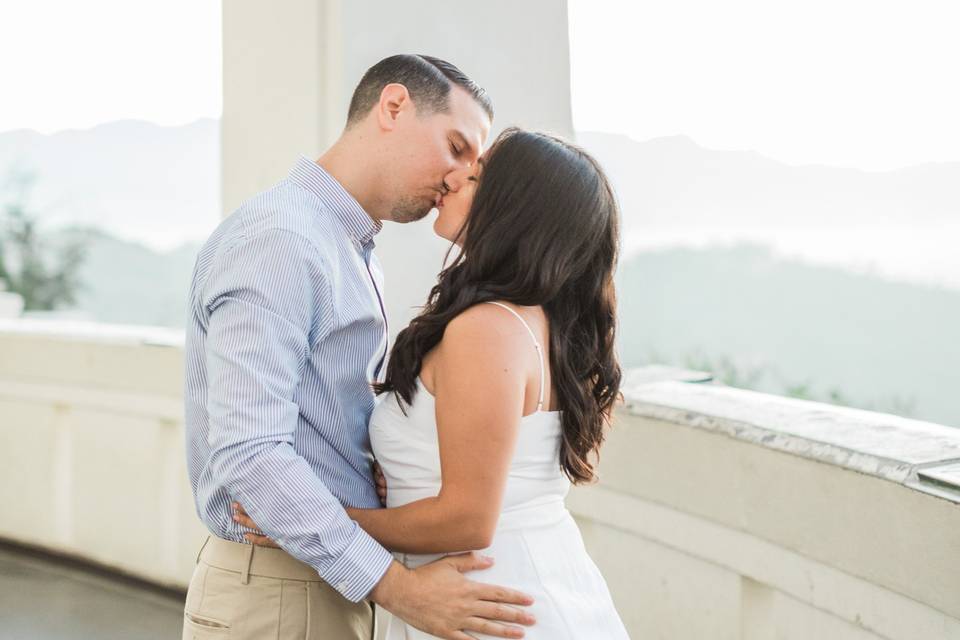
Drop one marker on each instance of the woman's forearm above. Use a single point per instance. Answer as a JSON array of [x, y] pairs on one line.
[[426, 526]]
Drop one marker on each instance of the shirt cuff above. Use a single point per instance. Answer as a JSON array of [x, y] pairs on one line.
[[359, 568]]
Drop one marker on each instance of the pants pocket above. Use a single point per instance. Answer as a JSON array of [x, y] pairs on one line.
[[197, 623], [197, 627]]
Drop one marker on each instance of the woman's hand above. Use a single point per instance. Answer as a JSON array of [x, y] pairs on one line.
[[241, 517], [381, 483]]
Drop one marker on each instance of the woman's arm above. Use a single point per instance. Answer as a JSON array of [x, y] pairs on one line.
[[480, 374]]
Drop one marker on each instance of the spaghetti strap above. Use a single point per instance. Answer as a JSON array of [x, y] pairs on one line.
[[536, 343]]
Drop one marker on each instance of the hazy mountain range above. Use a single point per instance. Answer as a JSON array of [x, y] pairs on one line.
[[160, 186], [900, 224], [777, 313], [156, 185], [783, 326]]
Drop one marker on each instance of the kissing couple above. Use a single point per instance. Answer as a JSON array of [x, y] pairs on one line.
[[336, 473]]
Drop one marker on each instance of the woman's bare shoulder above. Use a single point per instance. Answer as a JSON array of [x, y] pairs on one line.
[[486, 322]]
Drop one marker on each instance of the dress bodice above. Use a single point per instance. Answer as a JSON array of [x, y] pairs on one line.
[[405, 443]]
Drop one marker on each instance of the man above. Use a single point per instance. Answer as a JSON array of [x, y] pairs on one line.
[[286, 331]]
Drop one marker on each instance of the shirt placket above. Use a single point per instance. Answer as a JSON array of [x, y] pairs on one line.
[[367, 252]]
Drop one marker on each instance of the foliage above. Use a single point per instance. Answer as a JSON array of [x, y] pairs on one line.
[[44, 273]]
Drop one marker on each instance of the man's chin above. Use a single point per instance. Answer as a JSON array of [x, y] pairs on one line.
[[404, 215]]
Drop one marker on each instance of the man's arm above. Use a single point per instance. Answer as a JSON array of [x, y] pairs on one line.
[[268, 302]]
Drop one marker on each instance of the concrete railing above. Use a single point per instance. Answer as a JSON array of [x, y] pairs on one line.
[[92, 458], [720, 514], [729, 514]]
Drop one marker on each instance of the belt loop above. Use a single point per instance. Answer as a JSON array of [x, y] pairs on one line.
[[245, 574], [202, 547]]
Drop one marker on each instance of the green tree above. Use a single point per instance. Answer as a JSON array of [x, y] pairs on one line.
[[44, 273]]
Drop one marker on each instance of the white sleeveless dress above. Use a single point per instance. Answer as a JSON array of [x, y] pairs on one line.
[[537, 546]]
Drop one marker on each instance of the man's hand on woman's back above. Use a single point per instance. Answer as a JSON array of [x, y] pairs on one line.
[[438, 599]]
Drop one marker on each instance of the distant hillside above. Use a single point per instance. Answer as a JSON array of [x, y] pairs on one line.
[[141, 181], [126, 282], [780, 326]]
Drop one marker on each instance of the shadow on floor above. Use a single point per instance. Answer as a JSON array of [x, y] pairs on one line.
[[43, 599]]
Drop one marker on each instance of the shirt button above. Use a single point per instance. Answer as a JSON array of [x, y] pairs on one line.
[[342, 587]]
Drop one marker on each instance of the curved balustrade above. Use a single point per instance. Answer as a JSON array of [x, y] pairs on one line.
[[720, 513]]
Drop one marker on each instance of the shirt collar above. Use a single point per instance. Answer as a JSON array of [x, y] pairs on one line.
[[312, 177]]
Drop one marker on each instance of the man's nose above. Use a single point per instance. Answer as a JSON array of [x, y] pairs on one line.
[[453, 181]]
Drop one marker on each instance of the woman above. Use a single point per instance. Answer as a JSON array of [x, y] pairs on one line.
[[500, 391]]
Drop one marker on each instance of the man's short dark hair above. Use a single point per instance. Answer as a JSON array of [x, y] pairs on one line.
[[427, 79]]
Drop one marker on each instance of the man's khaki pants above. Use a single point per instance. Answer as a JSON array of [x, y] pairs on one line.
[[241, 592]]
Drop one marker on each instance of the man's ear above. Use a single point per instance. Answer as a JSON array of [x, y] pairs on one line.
[[394, 100]]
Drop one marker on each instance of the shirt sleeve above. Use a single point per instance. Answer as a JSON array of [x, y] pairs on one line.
[[268, 300]]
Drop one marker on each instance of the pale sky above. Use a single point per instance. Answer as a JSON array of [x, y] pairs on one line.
[[71, 65], [872, 84], [867, 84]]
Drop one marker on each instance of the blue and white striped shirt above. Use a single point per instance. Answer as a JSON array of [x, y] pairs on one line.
[[285, 332]]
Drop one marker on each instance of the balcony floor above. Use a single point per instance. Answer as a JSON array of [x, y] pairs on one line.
[[42, 599]]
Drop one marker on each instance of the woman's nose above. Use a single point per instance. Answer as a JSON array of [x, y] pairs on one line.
[[456, 179]]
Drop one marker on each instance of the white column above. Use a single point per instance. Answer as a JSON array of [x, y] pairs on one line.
[[277, 90], [289, 68]]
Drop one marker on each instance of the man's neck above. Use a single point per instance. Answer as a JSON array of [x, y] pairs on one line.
[[346, 164]]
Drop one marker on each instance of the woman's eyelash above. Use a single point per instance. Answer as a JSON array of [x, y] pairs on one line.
[[474, 178]]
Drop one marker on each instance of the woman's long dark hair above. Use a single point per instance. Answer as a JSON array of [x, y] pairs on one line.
[[543, 229]]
